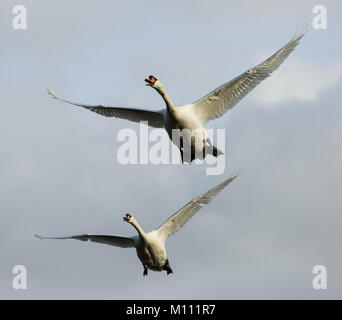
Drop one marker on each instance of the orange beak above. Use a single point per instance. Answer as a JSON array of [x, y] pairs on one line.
[[127, 218]]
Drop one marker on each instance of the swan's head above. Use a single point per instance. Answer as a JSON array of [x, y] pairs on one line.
[[152, 81], [128, 217]]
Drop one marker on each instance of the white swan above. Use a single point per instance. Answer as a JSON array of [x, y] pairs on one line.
[[193, 117], [150, 246]]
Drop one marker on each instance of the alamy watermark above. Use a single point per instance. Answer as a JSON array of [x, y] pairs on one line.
[[153, 147], [320, 20], [19, 281], [19, 21], [320, 280]]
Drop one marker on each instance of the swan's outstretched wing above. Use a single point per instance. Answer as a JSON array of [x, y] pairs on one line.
[[154, 118], [116, 241], [219, 101], [182, 216]]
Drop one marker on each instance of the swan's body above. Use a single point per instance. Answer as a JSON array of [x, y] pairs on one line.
[[150, 246], [194, 116]]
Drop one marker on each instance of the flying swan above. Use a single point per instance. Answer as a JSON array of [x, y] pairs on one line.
[[193, 142], [150, 246]]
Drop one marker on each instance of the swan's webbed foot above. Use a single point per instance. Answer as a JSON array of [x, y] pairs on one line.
[[145, 271], [167, 267], [215, 151], [169, 270]]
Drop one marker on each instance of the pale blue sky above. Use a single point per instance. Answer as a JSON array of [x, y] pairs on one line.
[[260, 238]]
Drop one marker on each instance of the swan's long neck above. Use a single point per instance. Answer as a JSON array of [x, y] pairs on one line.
[[137, 226], [170, 106]]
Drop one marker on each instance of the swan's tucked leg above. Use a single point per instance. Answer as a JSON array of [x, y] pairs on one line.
[[181, 151], [145, 271], [193, 156], [167, 267]]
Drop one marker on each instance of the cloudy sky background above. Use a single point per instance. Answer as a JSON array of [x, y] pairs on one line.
[[260, 238]]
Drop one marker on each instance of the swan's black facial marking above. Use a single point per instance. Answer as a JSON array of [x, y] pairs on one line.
[[127, 218], [151, 80]]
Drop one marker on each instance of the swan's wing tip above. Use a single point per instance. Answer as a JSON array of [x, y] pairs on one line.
[[236, 173], [301, 31], [39, 236]]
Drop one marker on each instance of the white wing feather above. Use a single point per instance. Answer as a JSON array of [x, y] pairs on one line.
[[116, 241], [223, 98], [182, 216], [154, 118]]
